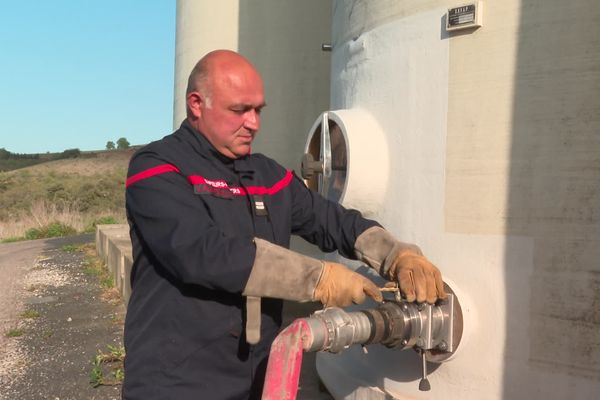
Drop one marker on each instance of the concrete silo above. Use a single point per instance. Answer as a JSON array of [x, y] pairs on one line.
[[483, 148], [283, 39]]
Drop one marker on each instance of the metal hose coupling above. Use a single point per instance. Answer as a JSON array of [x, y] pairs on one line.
[[435, 330]]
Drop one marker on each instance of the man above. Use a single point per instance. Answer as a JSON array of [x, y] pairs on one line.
[[210, 227]]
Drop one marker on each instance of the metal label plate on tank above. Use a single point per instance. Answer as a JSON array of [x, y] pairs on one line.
[[465, 16]]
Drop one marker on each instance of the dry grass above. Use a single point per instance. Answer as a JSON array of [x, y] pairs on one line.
[[42, 213]]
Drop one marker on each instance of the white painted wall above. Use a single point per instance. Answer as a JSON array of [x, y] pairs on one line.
[[494, 157]]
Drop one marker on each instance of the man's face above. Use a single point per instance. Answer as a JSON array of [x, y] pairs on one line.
[[230, 117]]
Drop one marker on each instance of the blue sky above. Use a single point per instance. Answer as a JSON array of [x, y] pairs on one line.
[[77, 73]]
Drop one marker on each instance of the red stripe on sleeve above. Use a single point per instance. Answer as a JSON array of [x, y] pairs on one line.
[[160, 169]]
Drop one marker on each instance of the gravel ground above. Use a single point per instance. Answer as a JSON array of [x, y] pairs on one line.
[[52, 359]]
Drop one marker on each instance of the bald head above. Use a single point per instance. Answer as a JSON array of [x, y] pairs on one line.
[[214, 68], [224, 99]]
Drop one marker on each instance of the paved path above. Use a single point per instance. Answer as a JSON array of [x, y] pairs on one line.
[[16, 259], [52, 358]]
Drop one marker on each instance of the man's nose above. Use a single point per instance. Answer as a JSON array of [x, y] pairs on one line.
[[252, 120]]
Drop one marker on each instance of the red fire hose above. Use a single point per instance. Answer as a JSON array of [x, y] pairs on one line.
[[398, 325], [285, 361]]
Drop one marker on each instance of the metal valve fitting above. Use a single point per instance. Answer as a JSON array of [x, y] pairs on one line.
[[435, 329]]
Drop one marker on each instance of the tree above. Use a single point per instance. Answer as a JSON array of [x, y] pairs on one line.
[[122, 144], [70, 153], [110, 145]]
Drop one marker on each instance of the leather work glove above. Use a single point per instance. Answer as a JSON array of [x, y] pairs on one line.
[[417, 277], [339, 286], [280, 273], [401, 262]]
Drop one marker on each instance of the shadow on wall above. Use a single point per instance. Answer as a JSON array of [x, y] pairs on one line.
[[283, 40], [554, 195]]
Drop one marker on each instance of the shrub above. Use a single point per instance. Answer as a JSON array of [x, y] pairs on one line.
[[53, 229], [106, 220], [58, 229], [70, 153], [33, 233]]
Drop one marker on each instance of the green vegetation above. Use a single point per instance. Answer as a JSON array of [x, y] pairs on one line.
[[70, 248], [58, 229], [122, 143], [10, 161], [15, 332], [29, 314], [94, 266], [63, 191], [54, 229], [110, 362], [71, 153], [107, 282], [107, 220]]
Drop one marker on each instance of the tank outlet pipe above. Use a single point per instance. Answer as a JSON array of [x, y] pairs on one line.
[[432, 330]]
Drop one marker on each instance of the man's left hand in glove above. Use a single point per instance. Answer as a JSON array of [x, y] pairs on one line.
[[403, 263]]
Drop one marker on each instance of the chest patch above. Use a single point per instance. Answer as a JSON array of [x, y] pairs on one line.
[[222, 192]]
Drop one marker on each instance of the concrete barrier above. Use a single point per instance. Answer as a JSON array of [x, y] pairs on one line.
[[126, 276], [104, 232], [113, 246]]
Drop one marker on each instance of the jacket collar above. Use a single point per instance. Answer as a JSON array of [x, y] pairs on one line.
[[201, 145]]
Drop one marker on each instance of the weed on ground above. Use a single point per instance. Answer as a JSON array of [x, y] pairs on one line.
[[107, 367], [14, 332], [28, 314]]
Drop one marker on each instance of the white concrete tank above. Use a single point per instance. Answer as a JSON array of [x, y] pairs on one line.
[[283, 40], [493, 152]]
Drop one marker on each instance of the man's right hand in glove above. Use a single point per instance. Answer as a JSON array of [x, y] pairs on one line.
[[339, 286]]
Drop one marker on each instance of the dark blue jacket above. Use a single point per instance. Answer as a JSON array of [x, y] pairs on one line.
[[192, 220]]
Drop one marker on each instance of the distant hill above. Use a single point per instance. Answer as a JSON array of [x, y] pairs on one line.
[[75, 191], [11, 161], [88, 163]]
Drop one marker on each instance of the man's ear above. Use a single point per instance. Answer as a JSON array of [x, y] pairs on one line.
[[194, 103]]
